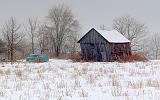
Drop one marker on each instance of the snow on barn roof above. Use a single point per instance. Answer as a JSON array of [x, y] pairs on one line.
[[113, 36]]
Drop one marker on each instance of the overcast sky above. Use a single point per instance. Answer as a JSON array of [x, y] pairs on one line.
[[90, 13]]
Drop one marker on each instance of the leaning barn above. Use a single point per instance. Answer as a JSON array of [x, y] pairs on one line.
[[102, 45]]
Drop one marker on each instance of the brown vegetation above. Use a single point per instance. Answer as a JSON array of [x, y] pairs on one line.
[[79, 58], [73, 57], [132, 58]]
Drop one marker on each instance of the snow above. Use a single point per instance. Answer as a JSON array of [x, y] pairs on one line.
[[67, 80], [113, 36]]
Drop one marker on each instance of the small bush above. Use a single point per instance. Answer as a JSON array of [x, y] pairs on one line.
[[77, 58], [62, 56], [1, 72], [73, 57], [38, 61], [83, 93], [19, 74], [117, 91], [115, 82], [19, 58], [131, 58], [136, 85], [8, 72]]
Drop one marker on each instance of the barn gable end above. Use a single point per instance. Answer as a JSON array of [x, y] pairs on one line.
[[92, 37]]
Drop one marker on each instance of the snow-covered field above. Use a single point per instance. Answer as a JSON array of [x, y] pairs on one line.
[[67, 80]]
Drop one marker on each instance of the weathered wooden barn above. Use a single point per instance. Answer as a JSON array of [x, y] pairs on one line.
[[102, 45]]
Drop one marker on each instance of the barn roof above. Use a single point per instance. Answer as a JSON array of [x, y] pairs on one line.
[[112, 36]]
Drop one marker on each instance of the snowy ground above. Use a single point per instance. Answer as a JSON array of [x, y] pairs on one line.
[[67, 80]]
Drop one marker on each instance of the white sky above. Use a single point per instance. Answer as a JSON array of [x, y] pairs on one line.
[[90, 13]]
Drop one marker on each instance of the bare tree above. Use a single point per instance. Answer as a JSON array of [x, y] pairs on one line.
[[44, 39], [32, 29], [131, 29], [61, 24], [70, 45], [155, 46], [12, 36]]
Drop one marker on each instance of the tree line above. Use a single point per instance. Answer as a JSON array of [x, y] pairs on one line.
[[59, 33]]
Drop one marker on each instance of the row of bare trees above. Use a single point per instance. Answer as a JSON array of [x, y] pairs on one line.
[[57, 34]]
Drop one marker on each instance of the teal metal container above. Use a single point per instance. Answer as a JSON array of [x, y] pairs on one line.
[[36, 57]]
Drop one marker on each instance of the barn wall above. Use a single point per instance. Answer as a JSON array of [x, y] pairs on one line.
[[120, 49], [100, 52], [105, 51], [94, 46]]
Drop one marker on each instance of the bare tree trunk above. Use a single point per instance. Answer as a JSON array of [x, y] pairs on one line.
[[8, 52], [32, 44], [12, 58], [12, 37]]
